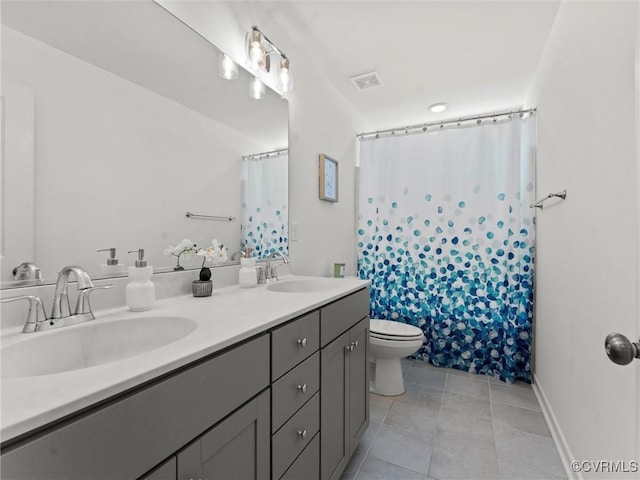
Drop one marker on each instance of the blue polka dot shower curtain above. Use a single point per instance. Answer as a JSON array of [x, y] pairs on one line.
[[265, 228], [446, 237]]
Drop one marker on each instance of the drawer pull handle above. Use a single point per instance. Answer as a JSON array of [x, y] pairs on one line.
[[302, 388], [355, 344], [349, 348], [302, 342], [302, 434]]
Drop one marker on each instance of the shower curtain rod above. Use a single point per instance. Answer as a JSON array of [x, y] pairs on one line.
[[425, 126], [270, 153]]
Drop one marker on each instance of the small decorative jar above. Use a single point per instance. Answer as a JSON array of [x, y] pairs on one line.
[[202, 288]]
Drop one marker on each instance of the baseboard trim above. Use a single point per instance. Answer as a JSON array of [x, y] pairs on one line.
[[566, 457]]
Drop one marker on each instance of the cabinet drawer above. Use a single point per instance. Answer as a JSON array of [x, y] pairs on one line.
[[295, 435], [307, 465], [145, 427], [293, 343], [293, 390], [341, 315]]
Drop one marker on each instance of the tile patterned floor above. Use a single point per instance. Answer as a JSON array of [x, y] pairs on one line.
[[453, 425]]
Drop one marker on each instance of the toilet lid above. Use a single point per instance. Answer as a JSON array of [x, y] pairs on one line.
[[400, 339], [393, 330]]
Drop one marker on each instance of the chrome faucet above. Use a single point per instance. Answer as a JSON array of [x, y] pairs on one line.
[[27, 271], [61, 307], [269, 272], [61, 311]]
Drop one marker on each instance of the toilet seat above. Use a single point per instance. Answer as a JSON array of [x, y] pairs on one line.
[[396, 331]]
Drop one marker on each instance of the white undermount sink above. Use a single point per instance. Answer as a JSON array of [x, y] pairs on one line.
[[300, 286], [90, 344]]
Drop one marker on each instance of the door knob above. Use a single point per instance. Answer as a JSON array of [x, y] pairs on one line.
[[620, 349]]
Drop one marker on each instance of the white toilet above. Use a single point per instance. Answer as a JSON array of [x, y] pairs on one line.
[[390, 341]]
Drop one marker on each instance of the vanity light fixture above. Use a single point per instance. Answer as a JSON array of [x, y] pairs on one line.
[[438, 107], [259, 51], [227, 68], [257, 89]]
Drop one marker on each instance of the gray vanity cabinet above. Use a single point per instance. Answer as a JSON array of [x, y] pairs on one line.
[[289, 404], [344, 383]]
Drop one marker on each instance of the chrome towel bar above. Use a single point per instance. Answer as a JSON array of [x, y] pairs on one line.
[[212, 217], [540, 203]]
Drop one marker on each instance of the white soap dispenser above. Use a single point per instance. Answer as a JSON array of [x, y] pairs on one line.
[[141, 292], [248, 275], [111, 266]]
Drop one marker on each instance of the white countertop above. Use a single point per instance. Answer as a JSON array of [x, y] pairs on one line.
[[230, 315]]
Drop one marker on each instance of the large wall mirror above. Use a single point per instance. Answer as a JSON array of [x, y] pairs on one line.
[[115, 123]]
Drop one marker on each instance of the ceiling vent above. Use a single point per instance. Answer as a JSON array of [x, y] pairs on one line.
[[367, 80]]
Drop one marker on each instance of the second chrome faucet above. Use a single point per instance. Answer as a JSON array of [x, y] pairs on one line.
[[269, 273]]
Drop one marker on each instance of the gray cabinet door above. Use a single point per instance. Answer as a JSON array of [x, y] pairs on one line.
[[334, 406], [358, 383], [344, 390], [236, 448]]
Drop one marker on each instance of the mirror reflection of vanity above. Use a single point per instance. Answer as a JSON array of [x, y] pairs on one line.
[[115, 124]]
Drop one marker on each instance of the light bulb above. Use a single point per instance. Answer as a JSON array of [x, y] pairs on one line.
[[286, 83], [256, 50], [257, 89], [227, 68]]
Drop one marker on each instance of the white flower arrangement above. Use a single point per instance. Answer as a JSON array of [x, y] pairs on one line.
[[216, 253], [186, 247]]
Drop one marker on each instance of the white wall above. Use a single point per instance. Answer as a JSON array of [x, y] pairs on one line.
[[320, 123], [588, 246], [110, 150]]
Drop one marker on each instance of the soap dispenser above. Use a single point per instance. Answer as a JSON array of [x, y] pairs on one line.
[[112, 265], [140, 292], [248, 275]]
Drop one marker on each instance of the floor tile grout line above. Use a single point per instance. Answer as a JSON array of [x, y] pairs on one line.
[[519, 406], [435, 434], [493, 428]]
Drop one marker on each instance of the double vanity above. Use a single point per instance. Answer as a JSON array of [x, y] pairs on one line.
[[269, 382]]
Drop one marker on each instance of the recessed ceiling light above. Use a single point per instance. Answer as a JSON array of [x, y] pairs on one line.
[[438, 107]]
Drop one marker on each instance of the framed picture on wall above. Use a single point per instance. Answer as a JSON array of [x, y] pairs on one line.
[[328, 178]]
